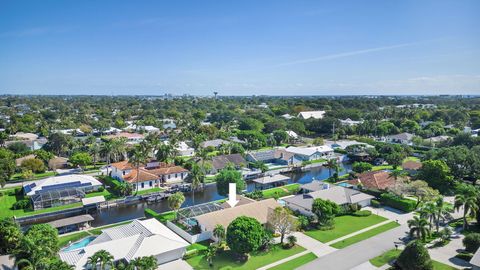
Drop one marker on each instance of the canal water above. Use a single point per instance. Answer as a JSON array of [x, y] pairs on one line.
[[118, 214]]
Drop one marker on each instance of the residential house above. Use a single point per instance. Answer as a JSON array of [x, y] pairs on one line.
[[132, 138], [60, 190], [257, 209], [32, 141], [411, 166], [153, 174], [311, 114], [127, 242], [350, 122], [169, 124], [220, 162], [213, 143], [276, 156], [337, 194], [287, 116], [402, 138], [375, 180], [315, 185], [311, 153], [184, 150], [58, 163]]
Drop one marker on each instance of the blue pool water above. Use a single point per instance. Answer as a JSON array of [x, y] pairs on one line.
[[344, 184], [80, 244]]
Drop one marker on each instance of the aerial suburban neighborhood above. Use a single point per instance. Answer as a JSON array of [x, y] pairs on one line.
[[239, 135]]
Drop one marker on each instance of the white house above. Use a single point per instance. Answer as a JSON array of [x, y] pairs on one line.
[[350, 122], [153, 174], [78, 181], [132, 138], [311, 114], [311, 153], [127, 242], [402, 138], [337, 194], [184, 150]]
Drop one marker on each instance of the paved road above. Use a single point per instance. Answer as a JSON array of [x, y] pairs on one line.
[[354, 255]]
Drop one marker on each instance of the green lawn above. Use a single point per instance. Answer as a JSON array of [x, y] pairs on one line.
[[345, 225], [18, 176], [8, 198], [416, 159], [225, 260], [64, 240], [365, 235], [297, 262], [167, 216], [382, 167], [199, 246], [148, 191], [394, 253], [385, 257], [280, 191], [107, 194]]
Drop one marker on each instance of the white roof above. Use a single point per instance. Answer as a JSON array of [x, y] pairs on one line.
[[93, 200], [61, 181], [476, 258], [292, 134], [311, 114], [308, 151], [137, 239], [182, 146]]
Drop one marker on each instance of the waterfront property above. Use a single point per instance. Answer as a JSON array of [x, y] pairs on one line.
[[60, 190], [134, 240], [275, 156], [271, 181], [69, 224], [339, 195], [312, 153], [220, 162], [152, 175]]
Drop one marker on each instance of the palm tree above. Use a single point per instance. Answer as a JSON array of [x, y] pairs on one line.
[[102, 257], [94, 150], [196, 176], [165, 152], [3, 138], [144, 263], [119, 149], [175, 201], [210, 254], [331, 165], [202, 153], [138, 156], [419, 227], [219, 232], [124, 188], [429, 212], [467, 198], [106, 149], [396, 174], [442, 211], [93, 260]]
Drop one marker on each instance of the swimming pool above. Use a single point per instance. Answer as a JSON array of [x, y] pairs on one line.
[[80, 244], [344, 185]]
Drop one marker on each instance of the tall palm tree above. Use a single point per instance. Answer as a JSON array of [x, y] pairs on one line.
[[419, 227], [94, 150], [210, 254], [138, 156], [219, 232], [442, 211], [93, 260], [175, 201], [105, 259], [202, 153], [165, 152], [468, 200], [331, 165], [429, 212], [196, 176], [144, 263], [106, 149], [119, 149]]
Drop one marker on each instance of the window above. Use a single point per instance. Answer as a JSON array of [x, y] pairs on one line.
[[169, 176], [176, 176], [143, 185], [151, 183]]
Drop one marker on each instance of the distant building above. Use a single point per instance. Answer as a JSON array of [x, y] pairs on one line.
[[311, 114], [311, 153], [402, 138], [213, 143], [375, 180], [350, 122], [276, 156], [184, 150], [220, 162], [132, 138]]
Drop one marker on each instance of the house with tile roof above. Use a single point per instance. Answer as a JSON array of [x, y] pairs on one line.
[[150, 175], [376, 180], [276, 156], [127, 242]]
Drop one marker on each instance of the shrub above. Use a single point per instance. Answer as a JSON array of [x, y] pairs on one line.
[[464, 256], [149, 213], [414, 257], [21, 204], [34, 165], [303, 222], [403, 204], [190, 254], [375, 204], [362, 213], [256, 195], [291, 241], [472, 242], [101, 189]]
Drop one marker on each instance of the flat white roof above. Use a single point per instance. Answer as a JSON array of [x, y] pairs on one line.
[[60, 182]]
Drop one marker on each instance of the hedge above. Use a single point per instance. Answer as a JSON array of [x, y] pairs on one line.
[[375, 203], [149, 213], [403, 204]]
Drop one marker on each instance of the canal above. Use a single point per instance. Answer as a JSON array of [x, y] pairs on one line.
[[118, 214]]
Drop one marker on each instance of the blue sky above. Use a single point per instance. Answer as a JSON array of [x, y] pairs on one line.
[[240, 47]]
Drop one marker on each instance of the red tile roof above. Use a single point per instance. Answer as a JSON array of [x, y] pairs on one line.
[[412, 165], [380, 180]]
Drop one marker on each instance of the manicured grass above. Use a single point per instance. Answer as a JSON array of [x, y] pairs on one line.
[[382, 167], [416, 159], [18, 176], [297, 262], [280, 191], [65, 240], [148, 191], [105, 193], [394, 253], [441, 266], [200, 245], [345, 225], [226, 260], [167, 216], [365, 235], [9, 197], [385, 257]]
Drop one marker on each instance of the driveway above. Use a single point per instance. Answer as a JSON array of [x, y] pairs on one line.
[[357, 254]]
